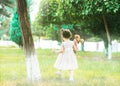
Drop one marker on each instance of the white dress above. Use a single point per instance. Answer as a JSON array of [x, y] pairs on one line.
[[67, 59]]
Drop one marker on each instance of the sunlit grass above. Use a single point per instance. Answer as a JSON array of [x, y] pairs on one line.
[[94, 69]]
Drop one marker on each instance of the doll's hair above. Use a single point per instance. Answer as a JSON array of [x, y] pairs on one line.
[[77, 36], [66, 34]]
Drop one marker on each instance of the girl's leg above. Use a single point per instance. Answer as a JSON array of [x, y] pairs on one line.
[[71, 75], [59, 72]]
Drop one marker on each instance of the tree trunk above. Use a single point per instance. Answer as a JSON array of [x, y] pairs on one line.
[[32, 64], [108, 37], [39, 38], [60, 31]]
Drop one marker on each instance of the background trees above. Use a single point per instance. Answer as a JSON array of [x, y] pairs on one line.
[[6, 9], [102, 9], [98, 18], [15, 32]]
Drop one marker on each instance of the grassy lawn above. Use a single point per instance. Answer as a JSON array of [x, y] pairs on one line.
[[94, 69]]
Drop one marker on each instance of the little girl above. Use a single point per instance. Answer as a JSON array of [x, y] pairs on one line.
[[66, 59], [77, 40]]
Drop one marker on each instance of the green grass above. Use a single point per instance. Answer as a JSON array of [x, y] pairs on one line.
[[94, 69]]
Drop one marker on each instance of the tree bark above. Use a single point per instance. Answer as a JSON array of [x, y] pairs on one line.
[[108, 37], [33, 71]]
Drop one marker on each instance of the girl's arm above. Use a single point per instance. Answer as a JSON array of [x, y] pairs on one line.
[[62, 49], [75, 44], [75, 48]]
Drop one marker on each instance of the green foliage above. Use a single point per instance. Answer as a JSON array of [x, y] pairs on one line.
[[100, 6], [53, 12], [52, 33], [91, 13], [37, 29], [84, 15], [4, 28], [64, 26], [7, 7], [15, 33]]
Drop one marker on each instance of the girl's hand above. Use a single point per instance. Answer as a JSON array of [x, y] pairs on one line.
[[55, 51]]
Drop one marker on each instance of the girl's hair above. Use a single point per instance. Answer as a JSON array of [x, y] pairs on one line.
[[66, 34]]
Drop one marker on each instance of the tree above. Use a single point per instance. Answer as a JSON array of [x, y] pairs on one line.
[[37, 29], [48, 16], [101, 8], [94, 15], [33, 71], [15, 32], [6, 7], [4, 28]]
